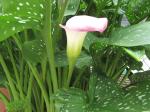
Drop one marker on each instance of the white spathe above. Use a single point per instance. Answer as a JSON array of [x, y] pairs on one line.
[[76, 29]]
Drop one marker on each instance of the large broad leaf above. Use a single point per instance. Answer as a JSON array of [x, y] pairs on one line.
[[24, 8], [72, 7], [137, 10], [136, 35], [19, 15], [105, 96], [34, 51], [9, 25], [113, 99]]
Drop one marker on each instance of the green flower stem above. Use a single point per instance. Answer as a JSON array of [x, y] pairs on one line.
[[43, 90], [49, 43], [15, 70], [71, 68], [8, 75]]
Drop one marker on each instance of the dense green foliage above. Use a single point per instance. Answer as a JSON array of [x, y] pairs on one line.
[[34, 65]]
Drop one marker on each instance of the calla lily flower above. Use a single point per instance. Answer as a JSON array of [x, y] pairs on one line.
[[76, 29]]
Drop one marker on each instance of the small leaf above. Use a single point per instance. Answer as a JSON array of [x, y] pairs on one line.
[[34, 51], [72, 7]]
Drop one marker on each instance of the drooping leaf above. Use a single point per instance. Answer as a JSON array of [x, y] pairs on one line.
[[34, 51], [137, 10], [135, 35]]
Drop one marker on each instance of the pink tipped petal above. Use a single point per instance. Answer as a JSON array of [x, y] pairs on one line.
[[86, 24]]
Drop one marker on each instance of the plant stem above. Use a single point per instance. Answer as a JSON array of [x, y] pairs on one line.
[[49, 43], [43, 90], [78, 77], [15, 70], [12, 87]]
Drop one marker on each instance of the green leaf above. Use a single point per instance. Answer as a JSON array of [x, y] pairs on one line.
[[90, 39], [84, 60], [72, 7], [139, 77], [18, 105], [137, 10], [19, 15], [34, 51], [147, 50], [61, 59], [136, 54], [24, 8], [135, 35], [9, 25], [71, 100], [112, 99]]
